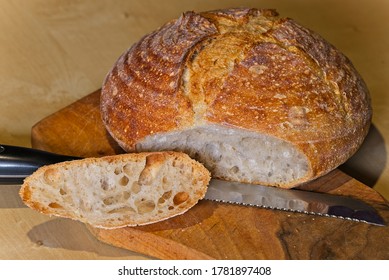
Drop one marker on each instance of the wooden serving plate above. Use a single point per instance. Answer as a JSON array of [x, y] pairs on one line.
[[213, 230]]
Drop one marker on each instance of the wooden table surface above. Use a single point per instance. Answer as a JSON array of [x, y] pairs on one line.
[[53, 53]]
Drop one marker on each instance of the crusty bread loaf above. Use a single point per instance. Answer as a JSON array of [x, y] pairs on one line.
[[118, 191], [254, 97]]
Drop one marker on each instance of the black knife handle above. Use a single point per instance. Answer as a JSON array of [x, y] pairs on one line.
[[16, 163]]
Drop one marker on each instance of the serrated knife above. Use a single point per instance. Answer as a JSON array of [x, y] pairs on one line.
[[16, 163], [293, 200]]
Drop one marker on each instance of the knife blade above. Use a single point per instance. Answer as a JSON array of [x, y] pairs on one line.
[[293, 200], [16, 163]]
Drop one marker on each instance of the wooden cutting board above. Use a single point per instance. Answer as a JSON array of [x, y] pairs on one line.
[[213, 230]]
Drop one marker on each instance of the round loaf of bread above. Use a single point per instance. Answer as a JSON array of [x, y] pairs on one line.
[[254, 97]]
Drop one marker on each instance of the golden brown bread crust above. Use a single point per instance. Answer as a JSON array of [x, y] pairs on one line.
[[243, 68]]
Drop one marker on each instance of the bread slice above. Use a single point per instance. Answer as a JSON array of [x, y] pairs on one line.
[[117, 191], [253, 96]]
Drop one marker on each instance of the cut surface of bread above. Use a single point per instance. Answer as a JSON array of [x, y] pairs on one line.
[[253, 96], [233, 154], [117, 191]]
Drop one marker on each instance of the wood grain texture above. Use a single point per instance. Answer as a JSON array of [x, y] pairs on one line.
[[221, 231], [80, 124]]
